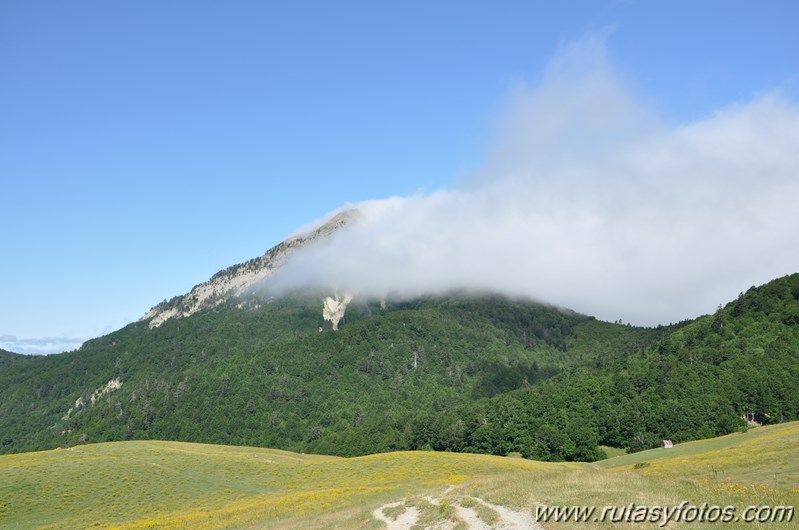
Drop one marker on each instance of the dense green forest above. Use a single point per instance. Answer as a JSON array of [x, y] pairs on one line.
[[460, 373]]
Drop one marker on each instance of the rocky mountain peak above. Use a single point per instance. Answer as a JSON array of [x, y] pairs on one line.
[[239, 279]]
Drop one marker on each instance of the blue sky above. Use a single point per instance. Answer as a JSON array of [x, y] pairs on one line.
[[146, 145]]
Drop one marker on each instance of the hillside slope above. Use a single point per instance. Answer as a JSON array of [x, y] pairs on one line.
[[698, 380], [178, 485]]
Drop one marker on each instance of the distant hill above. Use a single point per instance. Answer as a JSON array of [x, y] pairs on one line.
[[463, 372]]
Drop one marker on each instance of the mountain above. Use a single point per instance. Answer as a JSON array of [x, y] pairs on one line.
[[468, 372]]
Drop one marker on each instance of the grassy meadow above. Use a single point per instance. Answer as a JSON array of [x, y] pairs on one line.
[[149, 484]]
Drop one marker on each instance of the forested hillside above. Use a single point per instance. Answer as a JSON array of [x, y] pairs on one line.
[[462, 373], [695, 381], [7, 357]]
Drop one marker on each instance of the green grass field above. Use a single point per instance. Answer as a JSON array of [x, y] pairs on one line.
[[148, 484]]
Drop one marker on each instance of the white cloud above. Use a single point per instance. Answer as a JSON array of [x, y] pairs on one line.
[[588, 200], [39, 345]]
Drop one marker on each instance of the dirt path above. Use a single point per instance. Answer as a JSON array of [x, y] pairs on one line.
[[403, 521], [470, 517], [503, 518], [509, 519]]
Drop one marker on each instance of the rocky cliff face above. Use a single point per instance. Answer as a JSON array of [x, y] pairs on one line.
[[333, 308], [239, 279]]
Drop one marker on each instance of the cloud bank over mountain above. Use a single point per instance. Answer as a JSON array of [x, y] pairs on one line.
[[590, 200]]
